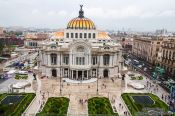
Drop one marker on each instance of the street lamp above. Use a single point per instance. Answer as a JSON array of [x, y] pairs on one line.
[[60, 75], [98, 75]]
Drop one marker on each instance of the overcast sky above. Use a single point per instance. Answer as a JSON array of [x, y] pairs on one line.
[[139, 15]]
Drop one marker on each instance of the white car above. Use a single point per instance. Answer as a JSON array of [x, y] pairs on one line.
[[140, 66]]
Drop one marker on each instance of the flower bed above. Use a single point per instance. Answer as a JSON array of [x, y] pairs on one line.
[[21, 76], [137, 78], [55, 106], [135, 107], [17, 107], [100, 106]]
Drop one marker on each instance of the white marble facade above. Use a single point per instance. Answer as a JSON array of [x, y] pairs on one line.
[[80, 53]]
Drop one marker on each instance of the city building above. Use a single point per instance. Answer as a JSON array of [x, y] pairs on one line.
[[1, 30], [166, 58], [146, 48], [80, 52], [32, 40]]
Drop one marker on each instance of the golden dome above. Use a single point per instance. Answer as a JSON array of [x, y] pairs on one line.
[[103, 35], [81, 22]]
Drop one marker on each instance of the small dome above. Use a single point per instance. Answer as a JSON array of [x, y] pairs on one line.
[[81, 22]]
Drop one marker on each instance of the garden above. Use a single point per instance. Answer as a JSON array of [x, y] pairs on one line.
[[137, 78], [137, 102], [100, 106], [14, 104], [55, 106], [21, 76]]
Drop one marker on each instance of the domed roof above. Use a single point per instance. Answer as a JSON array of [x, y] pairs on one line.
[[81, 22]]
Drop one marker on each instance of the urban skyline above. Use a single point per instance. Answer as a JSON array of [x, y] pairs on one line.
[[136, 15]]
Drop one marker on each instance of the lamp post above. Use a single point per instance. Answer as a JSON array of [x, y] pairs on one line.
[[97, 75], [60, 75]]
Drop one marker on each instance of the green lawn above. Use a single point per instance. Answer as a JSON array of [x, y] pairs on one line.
[[100, 106], [55, 106], [17, 108], [21, 76], [137, 78], [136, 107]]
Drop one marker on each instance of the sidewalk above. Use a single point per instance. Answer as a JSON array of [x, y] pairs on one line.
[[35, 106]]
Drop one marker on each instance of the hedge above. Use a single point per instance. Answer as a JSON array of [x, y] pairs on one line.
[[100, 106], [135, 107], [18, 108], [55, 106]]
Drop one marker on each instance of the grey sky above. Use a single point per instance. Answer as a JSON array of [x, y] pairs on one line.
[[138, 15]]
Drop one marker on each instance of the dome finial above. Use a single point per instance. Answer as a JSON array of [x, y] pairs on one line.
[[81, 12]]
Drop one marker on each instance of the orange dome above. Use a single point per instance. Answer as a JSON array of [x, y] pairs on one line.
[[81, 22]]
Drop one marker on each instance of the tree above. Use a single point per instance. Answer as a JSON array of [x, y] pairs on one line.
[[1, 48]]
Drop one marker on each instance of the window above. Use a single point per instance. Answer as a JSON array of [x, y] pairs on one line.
[[66, 59], [94, 60], [76, 35], [85, 35], [80, 60], [67, 35], [106, 58], [53, 59], [93, 35], [72, 35], [89, 35], [80, 35]]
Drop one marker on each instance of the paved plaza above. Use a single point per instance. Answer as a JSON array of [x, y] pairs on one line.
[[109, 88]]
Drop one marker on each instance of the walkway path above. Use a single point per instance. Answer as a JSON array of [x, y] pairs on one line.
[[77, 108], [35, 106]]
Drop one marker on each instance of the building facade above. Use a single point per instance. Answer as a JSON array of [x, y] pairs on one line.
[[146, 48], [167, 57], [33, 40], [80, 52]]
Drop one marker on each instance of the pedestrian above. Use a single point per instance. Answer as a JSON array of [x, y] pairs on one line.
[[162, 96], [120, 105]]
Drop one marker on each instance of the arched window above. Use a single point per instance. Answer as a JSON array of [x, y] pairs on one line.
[[106, 59], [81, 35], [67, 35], [72, 35], [53, 59], [89, 35]]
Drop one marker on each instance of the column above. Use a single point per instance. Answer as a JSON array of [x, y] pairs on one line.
[[72, 73], [76, 74], [87, 75], [82, 75], [68, 73], [101, 60], [48, 59], [110, 60]]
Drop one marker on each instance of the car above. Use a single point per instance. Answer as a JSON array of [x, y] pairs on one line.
[[145, 69]]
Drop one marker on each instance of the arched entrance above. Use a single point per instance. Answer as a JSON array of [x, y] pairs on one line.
[[54, 72], [106, 73]]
